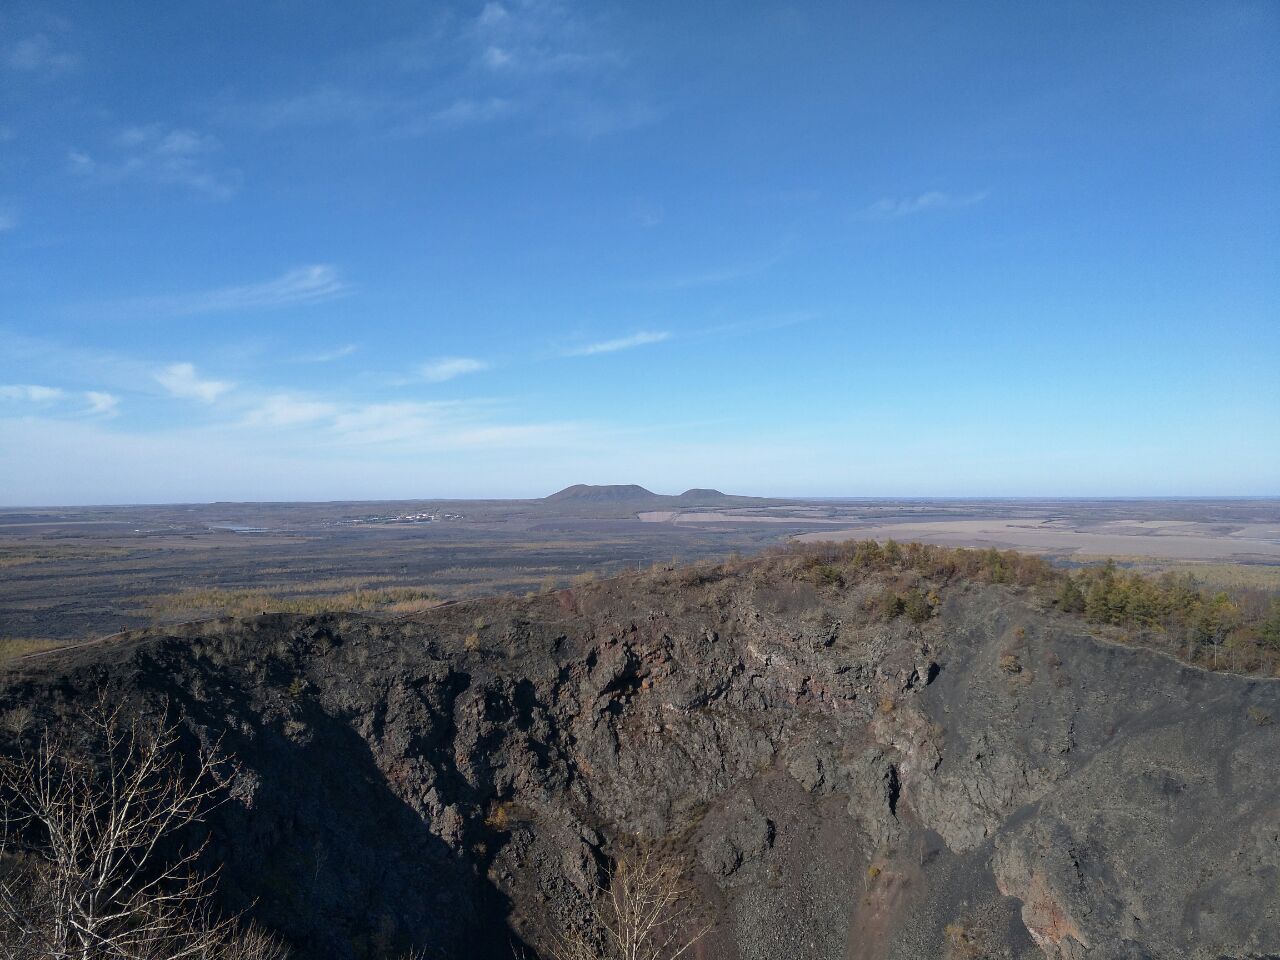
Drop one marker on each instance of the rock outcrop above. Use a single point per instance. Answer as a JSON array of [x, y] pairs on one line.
[[991, 782]]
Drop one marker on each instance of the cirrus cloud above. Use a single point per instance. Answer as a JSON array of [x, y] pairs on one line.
[[29, 392], [156, 154], [102, 403], [891, 208], [181, 380], [640, 339], [285, 410], [308, 284], [446, 368], [38, 53], [327, 356], [99, 402]]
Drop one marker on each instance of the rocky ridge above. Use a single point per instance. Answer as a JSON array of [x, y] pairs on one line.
[[988, 779]]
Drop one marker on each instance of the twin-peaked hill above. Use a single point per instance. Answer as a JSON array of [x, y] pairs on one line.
[[631, 496]]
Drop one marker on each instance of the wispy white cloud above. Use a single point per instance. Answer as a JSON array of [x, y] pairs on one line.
[[38, 53], [327, 356], [395, 422], [468, 110], [156, 154], [890, 208], [753, 325], [493, 16], [386, 113], [416, 425], [181, 380], [102, 403], [537, 37], [639, 339], [495, 58], [286, 410], [30, 393], [748, 266], [89, 460], [8, 218], [446, 368], [271, 417], [524, 60], [328, 103], [105, 370], [98, 402], [319, 422], [309, 284]]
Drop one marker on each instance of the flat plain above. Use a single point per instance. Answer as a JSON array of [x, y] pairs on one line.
[[77, 573]]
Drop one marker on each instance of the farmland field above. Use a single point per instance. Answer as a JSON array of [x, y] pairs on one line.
[[81, 572]]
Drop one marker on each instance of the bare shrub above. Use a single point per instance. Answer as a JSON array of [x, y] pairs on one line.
[[646, 911], [83, 820]]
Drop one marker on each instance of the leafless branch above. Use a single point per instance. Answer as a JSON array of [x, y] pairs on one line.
[[646, 911], [83, 818]]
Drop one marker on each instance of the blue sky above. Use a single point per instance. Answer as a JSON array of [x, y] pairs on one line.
[[290, 250]]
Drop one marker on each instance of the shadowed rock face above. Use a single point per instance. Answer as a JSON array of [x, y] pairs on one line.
[[993, 782]]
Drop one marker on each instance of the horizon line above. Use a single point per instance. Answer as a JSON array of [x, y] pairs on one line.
[[846, 498]]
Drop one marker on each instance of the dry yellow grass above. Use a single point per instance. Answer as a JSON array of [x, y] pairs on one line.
[[247, 603], [13, 647], [22, 554], [407, 607], [1213, 576]]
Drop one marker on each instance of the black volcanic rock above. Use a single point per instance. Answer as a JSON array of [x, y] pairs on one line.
[[844, 786]]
